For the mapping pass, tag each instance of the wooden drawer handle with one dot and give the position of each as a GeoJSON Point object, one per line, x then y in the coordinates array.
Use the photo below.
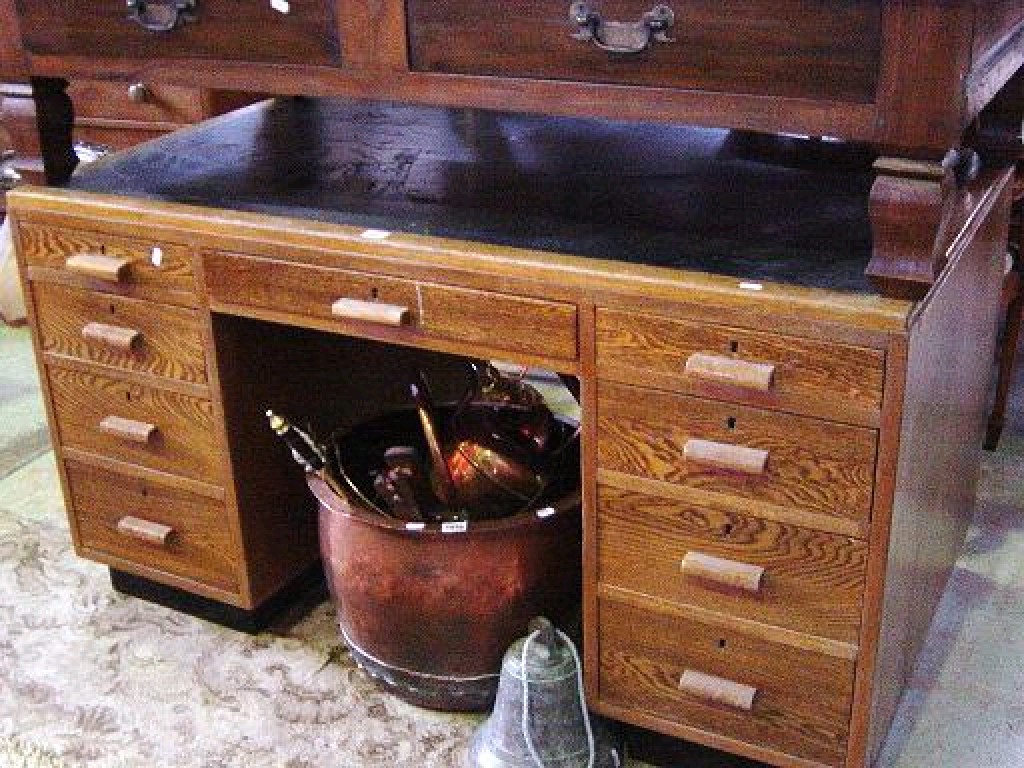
{"type": "Point", "coordinates": [145, 530]}
{"type": "Point", "coordinates": [371, 311]}
{"type": "Point", "coordinates": [728, 573]}
{"type": "Point", "coordinates": [718, 690]}
{"type": "Point", "coordinates": [734, 458]}
{"type": "Point", "coordinates": [729, 370]}
{"type": "Point", "coordinates": [112, 336]}
{"type": "Point", "coordinates": [99, 265]}
{"type": "Point", "coordinates": [127, 429]}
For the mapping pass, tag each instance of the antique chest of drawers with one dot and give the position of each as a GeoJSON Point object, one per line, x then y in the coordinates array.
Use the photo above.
{"type": "Point", "coordinates": [775, 460]}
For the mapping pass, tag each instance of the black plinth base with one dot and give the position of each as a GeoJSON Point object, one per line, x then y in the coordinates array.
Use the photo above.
{"type": "Point", "coordinates": [286, 606]}
{"type": "Point", "coordinates": [666, 752]}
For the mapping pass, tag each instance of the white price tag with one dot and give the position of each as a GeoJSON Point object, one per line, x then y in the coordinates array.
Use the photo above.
{"type": "Point", "coordinates": [751, 286]}
{"type": "Point", "coordinates": [415, 526]}
{"type": "Point", "coordinates": [545, 512]}
{"type": "Point", "coordinates": [456, 526]}
{"type": "Point", "coordinates": [375, 234]}
{"type": "Point", "coordinates": [156, 256]}
{"type": "Point", "coordinates": [281, 6]}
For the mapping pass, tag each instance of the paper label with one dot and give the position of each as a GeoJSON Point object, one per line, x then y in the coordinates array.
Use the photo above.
{"type": "Point", "coordinates": [456, 526]}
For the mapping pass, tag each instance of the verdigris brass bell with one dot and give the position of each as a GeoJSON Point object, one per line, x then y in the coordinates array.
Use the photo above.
{"type": "Point", "coordinates": [540, 718]}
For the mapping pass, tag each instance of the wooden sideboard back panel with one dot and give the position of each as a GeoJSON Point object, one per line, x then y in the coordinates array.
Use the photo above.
{"type": "Point", "coordinates": [803, 48]}
{"type": "Point", "coordinates": [223, 30]}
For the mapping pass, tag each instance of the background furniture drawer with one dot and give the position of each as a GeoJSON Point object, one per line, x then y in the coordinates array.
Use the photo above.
{"type": "Point", "coordinates": [812, 581]}
{"type": "Point", "coordinates": [479, 318]}
{"type": "Point", "coordinates": [180, 440]}
{"type": "Point", "coordinates": [730, 363]}
{"type": "Point", "coordinates": [198, 546]}
{"type": "Point", "coordinates": [801, 699]}
{"type": "Point", "coordinates": [220, 29]}
{"type": "Point", "coordinates": [810, 465]}
{"type": "Point", "coordinates": [158, 103]}
{"type": "Point", "coordinates": [118, 332]}
{"type": "Point", "coordinates": [152, 269]}
{"type": "Point", "coordinates": [715, 43]}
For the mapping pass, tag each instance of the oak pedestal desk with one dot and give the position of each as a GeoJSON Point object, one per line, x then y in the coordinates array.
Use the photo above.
{"type": "Point", "coordinates": [778, 463]}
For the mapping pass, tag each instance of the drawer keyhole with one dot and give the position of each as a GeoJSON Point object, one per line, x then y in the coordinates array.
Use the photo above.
{"type": "Point", "coordinates": [734, 346]}
{"type": "Point", "coordinates": [374, 293]}
{"type": "Point", "coordinates": [730, 423]}
{"type": "Point", "coordinates": [721, 643]}
{"type": "Point", "coordinates": [128, 396]}
{"type": "Point", "coordinates": [727, 529]}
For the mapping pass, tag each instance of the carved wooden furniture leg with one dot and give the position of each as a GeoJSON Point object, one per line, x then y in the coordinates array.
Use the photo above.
{"type": "Point", "coordinates": [910, 207]}
{"type": "Point", "coordinates": [55, 119]}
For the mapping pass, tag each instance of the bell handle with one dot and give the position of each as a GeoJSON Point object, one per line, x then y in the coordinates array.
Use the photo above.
{"type": "Point", "coordinates": [718, 690]}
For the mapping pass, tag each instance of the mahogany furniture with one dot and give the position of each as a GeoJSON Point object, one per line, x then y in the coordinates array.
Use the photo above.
{"type": "Point", "coordinates": [778, 463]}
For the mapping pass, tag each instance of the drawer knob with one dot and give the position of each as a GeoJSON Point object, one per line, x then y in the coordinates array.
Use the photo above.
{"type": "Point", "coordinates": [145, 530]}
{"type": "Point", "coordinates": [622, 36]}
{"type": "Point", "coordinates": [371, 311]}
{"type": "Point", "coordinates": [727, 573]}
{"type": "Point", "coordinates": [112, 336]}
{"type": "Point", "coordinates": [718, 690]}
{"type": "Point", "coordinates": [99, 265]}
{"type": "Point", "coordinates": [732, 458]}
{"type": "Point", "coordinates": [139, 93]}
{"type": "Point", "coordinates": [729, 370]}
{"type": "Point", "coordinates": [133, 431]}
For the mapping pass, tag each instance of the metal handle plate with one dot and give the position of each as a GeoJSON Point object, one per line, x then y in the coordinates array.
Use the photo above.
{"type": "Point", "coordinates": [622, 37]}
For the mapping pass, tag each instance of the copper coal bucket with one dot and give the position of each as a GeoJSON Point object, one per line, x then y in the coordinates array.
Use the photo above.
{"type": "Point", "coordinates": [429, 613]}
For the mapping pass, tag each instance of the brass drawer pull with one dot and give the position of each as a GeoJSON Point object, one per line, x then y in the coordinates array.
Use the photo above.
{"type": "Point", "coordinates": [733, 458]}
{"type": "Point", "coordinates": [145, 530]}
{"type": "Point", "coordinates": [133, 431]}
{"type": "Point", "coordinates": [718, 690]}
{"type": "Point", "coordinates": [99, 265]}
{"type": "Point", "coordinates": [622, 36]}
{"type": "Point", "coordinates": [729, 370]}
{"type": "Point", "coordinates": [112, 336]}
{"type": "Point", "coordinates": [161, 15]}
{"type": "Point", "coordinates": [371, 311]}
{"type": "Point", "coordinates": [727, 573]}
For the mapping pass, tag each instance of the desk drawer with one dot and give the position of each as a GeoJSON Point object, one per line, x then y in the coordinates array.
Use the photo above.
{"type": "Point", "coordinates": [801, 699]}
{"type": "Point", "coordinates": [121, 333]}
{"type": "Point", "coordinates": [198, 545]}
{"type": "Point", "coordinates": [145, 269]}
{"type": "Point", "coordinates": [404, 307]}
{"type": "Point", "coordinates": [218, 29]}
{"type": "Point", "coordinates": [810, 581]}
{"type": "Point", "coordinates": [764, 47]}
{"type": "Point", "coordinates": [737, 452]}
{"type": "Point", "coordinates": [740, 365]}
{"type": "Point", "coordinates": [152, 427]}
{"type": "Point", "coordinates": [105, 99]}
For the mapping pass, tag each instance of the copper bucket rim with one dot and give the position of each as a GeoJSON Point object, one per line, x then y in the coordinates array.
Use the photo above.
{"type": "Point", "coordinates": [567, 504]}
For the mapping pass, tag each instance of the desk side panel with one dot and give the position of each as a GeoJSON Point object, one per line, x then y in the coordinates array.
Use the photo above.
{"type": "Point", "coordinates": [950, 352]}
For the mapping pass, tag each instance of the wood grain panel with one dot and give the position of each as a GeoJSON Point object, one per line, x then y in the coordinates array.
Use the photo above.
{"type": "Point", "coordinates": [201, 546]}
{"type": "Point", "coordinates": [45, 250]}
{"type": "Point", "coordinates": [184, 443]}
{"type": "Point", "coordinates": [802, 704]}
{"type": "Point", "coordinates": [794, 43]}
{"type": "Point", "coordinates": [495, 320]}
{"type": "Point", "coordinates": [812, 465]}
{"type": "Point", "coordinates": [839, 381]}
{"type": "Point", "coordinates": [169, 345]}
{"type": "Point", "coordinates": [813, 582]}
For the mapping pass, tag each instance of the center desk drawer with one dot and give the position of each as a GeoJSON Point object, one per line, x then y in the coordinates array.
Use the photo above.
{"type": "Point", "coordinates": [728, 363]}
{"type": "Point", "coordinates": [121, 333]}
{"type": "Point", "coordinates": [479, 318]}
{"type": "Point", "coordinates": [148, 426]}
{"type": "Point", "coordinates": [145, 269]}
{"type": "Point", "coordinates": [774, 464]}
{"type": "Point", "coordinates": [764, 47]}
{"type": "Point", "coordinates": [719, 680]}
{"type": "Point", "coordinates": [712, 557]}
{"type": "Point", "coordinates": [152, 525]}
